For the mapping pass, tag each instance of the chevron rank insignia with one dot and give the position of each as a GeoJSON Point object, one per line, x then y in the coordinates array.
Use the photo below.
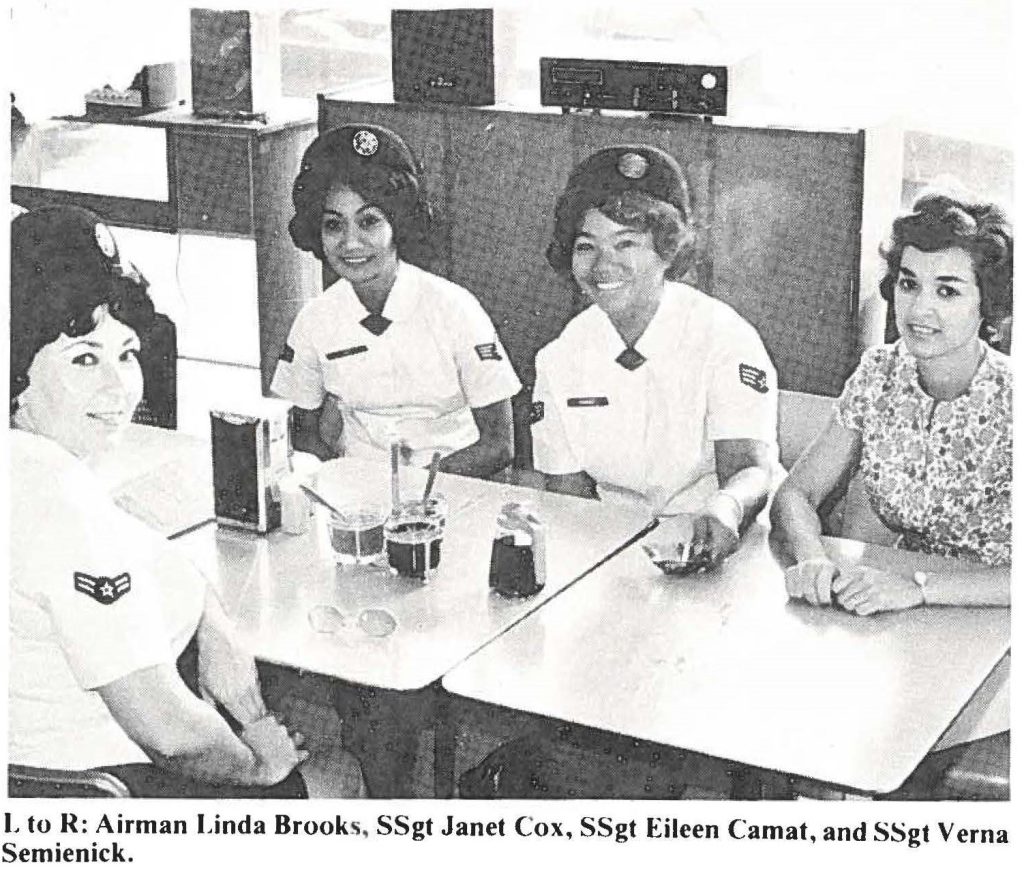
{"type": "Point", "coordinates": [754, 378]}
{"type": "Point", "coordinates": [488, 351]}
{"type": "Point", "coordinates": [106, 591]}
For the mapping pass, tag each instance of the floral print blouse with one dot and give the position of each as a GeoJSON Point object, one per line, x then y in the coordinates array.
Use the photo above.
{"type": "Point", "coordinates": [939, 472]}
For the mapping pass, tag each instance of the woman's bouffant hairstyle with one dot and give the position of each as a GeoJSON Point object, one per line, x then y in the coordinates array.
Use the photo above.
{"type": "Point", "coordinates": [64, 265]}
{"type": "Point", "coordinates": [939, 221]}
{"type": "Point", "coordinates": [388, 177]}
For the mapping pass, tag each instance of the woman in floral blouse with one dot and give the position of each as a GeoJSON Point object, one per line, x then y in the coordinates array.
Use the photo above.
{"type": "Point", "coordinates": [927, 421]}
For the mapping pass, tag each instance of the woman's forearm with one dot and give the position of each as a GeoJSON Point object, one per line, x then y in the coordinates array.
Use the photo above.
{"type": "Point", "coordinates": [479, 460]}
{"type": "Point", "coordinates": [210, 752]}
{"type": "Point", "coordinates": [749, 488]}
{"type": "Point", "coordinates": [180, 732]}
{"type": "Point", "coordinates": [968, 583]}
{"type": "Point", "coordinates": [796, 519]}
{"type": "Point", "coordinates": [493, 451]}
{"type": "Point", "coordinates": [574, 484]}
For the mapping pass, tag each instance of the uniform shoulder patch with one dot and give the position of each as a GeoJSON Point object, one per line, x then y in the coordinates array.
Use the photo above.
{"type": "Point", "coordinates": [104, 590]}
{"type": "Point", "coordinates": [754, 378]}
{"type": "Point", "coordinates": [536, 411]}
{"type": "Point", "coordinates": [287, 353]}
{"type": "Point", "coordinates": [488, 351]}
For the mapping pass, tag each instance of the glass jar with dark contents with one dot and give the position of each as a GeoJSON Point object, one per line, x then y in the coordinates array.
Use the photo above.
{"type": "Point", "coordinates": [517, 553]}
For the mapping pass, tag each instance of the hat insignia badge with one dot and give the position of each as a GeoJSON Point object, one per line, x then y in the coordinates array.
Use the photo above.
{"type": "Point", "coordinates": [365, 143]}
{"type": "Point", "coordinates": [632, 165]}
{"type": "Point", "coordinates": [105, 241]}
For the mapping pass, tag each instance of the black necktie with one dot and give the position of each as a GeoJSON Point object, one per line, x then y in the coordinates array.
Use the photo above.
{"type": "Point", "coordinates": [375, 323]}
{"type": "Point", "coordinates": [631, 359]}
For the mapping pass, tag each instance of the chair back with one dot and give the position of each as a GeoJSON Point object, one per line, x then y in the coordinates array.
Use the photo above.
{"type": "Point", "coordinates": [802, 418]}
{"type": "Point", "coordinates": [24, 781]}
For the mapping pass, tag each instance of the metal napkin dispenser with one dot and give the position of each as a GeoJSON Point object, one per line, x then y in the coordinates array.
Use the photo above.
{"type": "Point", "coordinates": [250, 448]}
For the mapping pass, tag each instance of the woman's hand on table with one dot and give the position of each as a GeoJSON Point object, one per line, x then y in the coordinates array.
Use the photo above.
{"type": "Point", "coordinates": [227, 674]}
{"type": "Point", "coordinates": [812, 579]}
{"type": "Point", "coordinates": [712, 538]}
{"type": "Point", "coordinates": [276, 752]}
{"type": "Point", "coordinates": [690, 542]}
{"type": "Point", "coordinates": [866, 591]}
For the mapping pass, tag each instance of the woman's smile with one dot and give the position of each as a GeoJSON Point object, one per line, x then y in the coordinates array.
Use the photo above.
{"type": "Point", "coordinates": [617, 266]}
{"type": "Point", "coordinates": [938, 304]}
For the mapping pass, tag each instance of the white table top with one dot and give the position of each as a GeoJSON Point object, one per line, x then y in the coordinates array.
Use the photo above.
{"type": "Point", "coordinates": [270, 583]}
{"type": "Point", "coordinates": [161, 476]}
{"type": "Point", "coordinates": [725, 664]}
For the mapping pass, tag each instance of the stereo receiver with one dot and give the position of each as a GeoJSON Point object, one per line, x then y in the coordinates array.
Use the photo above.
{"type": "Point", "coordinates": [692, 89]}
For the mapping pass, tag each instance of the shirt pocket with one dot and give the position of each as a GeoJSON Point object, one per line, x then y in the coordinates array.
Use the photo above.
{"type": "Point", "coordinates": [350, 368]}
{"type": "Point", "coordinates": [593, 424]}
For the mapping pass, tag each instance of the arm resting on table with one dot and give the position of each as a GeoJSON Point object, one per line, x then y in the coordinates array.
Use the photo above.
{"type": "Point", "coordinates": [957, 581]}
{"type": "Point", "coordinates": [493, 451]}
{"type": "Point", "coordinates": [573, 484]}
{"type": "Point", "coordinates": [794, 511]}
{"type": "Point", "coordinates": [181, 733]}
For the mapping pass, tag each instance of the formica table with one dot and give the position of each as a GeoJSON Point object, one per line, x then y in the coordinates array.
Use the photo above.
{"type": "Point", "coordinates": [163, 477]}
{"type": "Point", "coordinates": [271, 583]}
{"type": "Point", "coordinates": [725, 664]}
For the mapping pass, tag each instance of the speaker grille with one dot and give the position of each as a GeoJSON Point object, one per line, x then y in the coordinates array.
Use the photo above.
{"type": "Point", "coordinates": [221, 62]}
{"type": "Point", "coordinates": [443, 56]}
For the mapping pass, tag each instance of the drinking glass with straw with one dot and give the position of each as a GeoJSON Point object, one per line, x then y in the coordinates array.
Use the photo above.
{"type": "Point", "coordinates": [415, 528]}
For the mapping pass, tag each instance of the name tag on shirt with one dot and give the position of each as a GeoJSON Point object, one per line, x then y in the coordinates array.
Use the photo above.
{"type": "Point", "coordinates": [587, 401]}
{"type": "Point", "coordinates": [347, 352]}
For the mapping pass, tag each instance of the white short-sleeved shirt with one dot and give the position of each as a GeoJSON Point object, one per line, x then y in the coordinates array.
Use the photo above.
{"type": "Point", "coordinates": [416, 382]}
{"type": "Point", "coordinates": [94, 596]}
{"type": "Point", "coordinates": [648, 434]}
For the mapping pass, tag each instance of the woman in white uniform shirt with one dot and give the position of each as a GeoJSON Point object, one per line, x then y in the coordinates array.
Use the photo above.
{"type": "Point", "coordinates": [390, 353]}
{"type": "Point", "coordinates": [657, 393]}
{"type": "Point", "coordinates": [100, 606]}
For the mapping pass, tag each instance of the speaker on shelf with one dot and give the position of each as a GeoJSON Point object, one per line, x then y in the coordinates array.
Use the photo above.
{"type": "Point", "coordinates": [236, 62]}
{"type": "Point", "coordinates": [443, 56]}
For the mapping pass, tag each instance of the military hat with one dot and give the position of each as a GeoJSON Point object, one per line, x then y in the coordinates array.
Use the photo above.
{"type": "Point", "coordinates": [612, 171]}
{"type": "Point", "coordinates": [362, 146]}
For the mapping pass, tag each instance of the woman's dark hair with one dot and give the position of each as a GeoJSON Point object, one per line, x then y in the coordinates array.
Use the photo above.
{"type": "Point", "coordinates": [389, 178]}
{"type": "Point", "coordinates": [673, 238]}
{"type": "Point", "coordinates": [635, 185]}
{"type": "Point", "coordinates": [64, 265]}
{"type": "Point", "coordinates": [939, 221]}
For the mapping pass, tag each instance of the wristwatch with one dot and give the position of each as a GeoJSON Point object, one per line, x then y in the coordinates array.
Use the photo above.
{"type": "Point", "coordinates": [921, 579]}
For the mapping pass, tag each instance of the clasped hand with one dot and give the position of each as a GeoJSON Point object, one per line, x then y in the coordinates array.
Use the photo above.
{"type": "Point", "coordinates": [277, 752]}
{"type": "Point", "coordinates": [860, 590]}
